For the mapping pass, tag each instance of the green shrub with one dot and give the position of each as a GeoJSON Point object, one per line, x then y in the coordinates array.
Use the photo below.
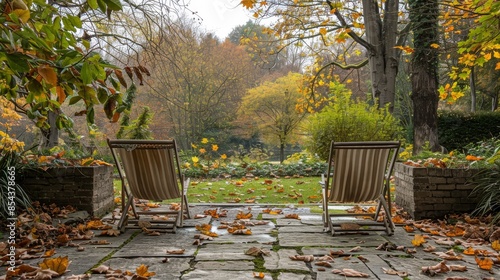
{"type": "Point", "coordinates": [10, 172]}
{"type": "Point", "coordinates": [456, 130]}
{"type": "Point", "coordinates": [345, 119]}
{"type": "Point", "coordinates": [488, 190]}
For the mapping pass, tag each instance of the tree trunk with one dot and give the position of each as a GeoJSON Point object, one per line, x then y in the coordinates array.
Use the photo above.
{"type": "Point", "coordinates": [424, 78]}
{"type": "Point", "coordinates": [472, 82]}
{"type": "Point", "coordinates": [282, 152]}
{"type": "Point", "coordinates": [50, 136]}
{"type": "Point", "coordinates": [381, 34]}
{"type": "Point", "coordinates": [494, 102]}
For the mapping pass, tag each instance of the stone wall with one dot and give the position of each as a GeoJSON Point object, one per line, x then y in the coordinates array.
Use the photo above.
{"type": "Point", "coordinates": [86, 188]}
{"type": "Point", "coordinates": [433, 192]}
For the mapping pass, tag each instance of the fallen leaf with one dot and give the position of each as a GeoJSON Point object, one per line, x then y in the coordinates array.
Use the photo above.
{"type": "Point", "coordinates": [110, 232]}
{"type": "Point", "coordinates": [394, 272]}
{"type": "Point", "coordinates": [254, 251]}
{"type": "Point", "coordinates": [305, 258]}
{"type": "Point", "coordinates": [176, 251]}
{"type": "Point", "coordinates": [485, 263]}
{"type": "Point", "coordinates": [242, 215]}
{"type": "Point", "coordinates": [259, 275]}
{"type": "Point", "coordinates": [356, 249]}
{"type": "Point", "coordinates": [496, 245]}
{"type": "Point", "coordinates": [59, 264]}
{"type": "Point", "coordinates": [418, 240]}
{"type": "Point", "coordinates": [102, 269]}
{"type": "Point", "coordinates": [292, 216]}
{"type": "Point", "coordinates": [350, 273]}
{"type": "Point", "coordinates": [142, 270]}
{"type": "Point", "coordinates": [323, 263]}
{"type": "Point", "coordinates": [45, 274]}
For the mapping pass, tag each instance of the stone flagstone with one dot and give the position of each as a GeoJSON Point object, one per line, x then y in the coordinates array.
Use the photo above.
{"type": "Point", "coordinates": [213, 252]}
{"type": "Point", "coordinates": [281, 261]}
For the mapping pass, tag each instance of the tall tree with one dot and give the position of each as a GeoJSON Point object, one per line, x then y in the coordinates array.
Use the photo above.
{"type": "Point", "coordinates": [424, 79]}
{"type": "Point", "coordinates": [198, 82]}
{"type": "Point", "coordinates": [272, 106]}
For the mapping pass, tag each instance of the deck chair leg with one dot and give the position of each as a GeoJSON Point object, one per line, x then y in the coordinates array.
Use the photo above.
{"type": "Point", "coordinates": [124, 217]}
{"type": "Point", "coordinates": [389, 224]}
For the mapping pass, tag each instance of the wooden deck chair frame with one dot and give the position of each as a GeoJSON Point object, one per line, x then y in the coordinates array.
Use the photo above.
{"type": "Point", "coordinates": [150, 170]}
{"type": "Point", "coordinates": [359, 172]}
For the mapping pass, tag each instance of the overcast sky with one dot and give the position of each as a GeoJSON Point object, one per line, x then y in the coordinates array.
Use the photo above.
{"type": "Point", "coordinates": [220, 16]}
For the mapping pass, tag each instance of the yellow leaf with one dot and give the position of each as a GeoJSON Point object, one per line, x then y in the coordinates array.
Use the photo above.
{"type": "Point", "coordinates": [49, 253]}
{"type": "Point", "coordinates": [59, 264]}
{"type": "Point", "coordinates": [48, 74]}
{"type": "Point", "coordinates": [496, 245]}
{"type": "Point", "coordinates": [323, 31]}
{"type": "Point", "coordinates": [23, 15]}
{"type": "Point", "coordinates": [497, 66]}
{"type": "Point", "coordinates": [142, 270]}
{"type": "Point", "coordinates": [418, 240]}
{"type": "Point", "coordinates": [434, 46]}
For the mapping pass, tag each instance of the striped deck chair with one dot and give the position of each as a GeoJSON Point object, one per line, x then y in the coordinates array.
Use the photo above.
{"type": "Point", "coordinates": [150, 170]}
{"type": "Point", "coordinates": [359, 172]}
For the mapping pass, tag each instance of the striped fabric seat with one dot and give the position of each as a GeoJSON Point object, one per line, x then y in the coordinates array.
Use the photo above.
{"type": "Point", "coordinates": [359, 172]}
{"type": "Point", "coordinates": [150, 170]}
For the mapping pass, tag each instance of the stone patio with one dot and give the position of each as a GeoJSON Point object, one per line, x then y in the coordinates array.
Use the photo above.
{"type": "Point", "coordinates": [224, 257]}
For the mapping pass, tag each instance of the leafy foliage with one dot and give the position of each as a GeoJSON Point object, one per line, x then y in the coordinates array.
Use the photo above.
{"type": "Point", "coordinates": [345, 119]}
{"type": "Point", "coordinates": [40, 73]}
{"type": "Point", "coordinates": [8, 161]}
{"type": "Point", "coordinates": [488, 189]}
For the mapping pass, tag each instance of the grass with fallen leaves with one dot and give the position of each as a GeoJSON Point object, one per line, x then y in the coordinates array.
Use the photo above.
{"type": "Point", "coordinates": [304, 190]}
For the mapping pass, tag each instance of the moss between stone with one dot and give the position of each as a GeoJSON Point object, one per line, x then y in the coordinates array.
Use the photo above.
{"type": "Point", "coordinates": [108, 256]}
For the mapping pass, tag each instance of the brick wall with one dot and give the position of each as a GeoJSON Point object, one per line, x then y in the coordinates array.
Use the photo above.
{"type": "Point", "coordinates": [433, 192]}
{"type": "Point", "coordinates": [86, 188]}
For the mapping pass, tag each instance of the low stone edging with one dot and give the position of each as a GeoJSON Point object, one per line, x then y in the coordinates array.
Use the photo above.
{"type": "Point", "coordinates": [434, 192]}
{"type": "Point", "coordinates": [88, 188]}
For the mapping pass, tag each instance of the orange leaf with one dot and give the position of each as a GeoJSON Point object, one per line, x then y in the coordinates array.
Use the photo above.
{"type": "Point", "coordinates": [248, 3]}
{"type": "Point", "coordinates": [48, 74]}
{"type": "Point", "coordinates": [469, 251]}
{"type": "Point", "coordinates": [59, 264]}
{"type": "Point", "coordinates": [418, 240]}
{"type": "Point", "coordinates": [409, 228]}
{"type": "Point", "coordinates": [485, 263]}
{"type": "Point", "coordinates": [242, 215]}
{"type": "Point", "coordinates": [292, 216]}
{"type": "Point", "coordinates": [61, 96]}
{"type": "Point", "coordinates": [142, 270]}
{"type": "Point", "coordinates": [259, 275]}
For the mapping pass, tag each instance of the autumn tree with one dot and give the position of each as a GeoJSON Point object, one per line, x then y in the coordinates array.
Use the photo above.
{"type": "Point", "coordinates": [323, 26]}
{"type": "Point", "coordinates": [478, 50]}
{"type": "Point", "coordinates": [272, 106]}
{"type": "Point", "coordinates": [55, 54]}
{"type": "Point", "coordinates": [197, 82]}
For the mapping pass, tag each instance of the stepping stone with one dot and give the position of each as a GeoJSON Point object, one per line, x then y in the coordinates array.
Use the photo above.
{"type": "Point", "coordinates": [226, 265]}
{"type": "Point", "coordinates": [281, 260]}
{"type": "Point", "coordinates": [302, 239]}
{"type": "Point", "coordinates": [212, 252]}
{"type": "Point", "coordinates": [156, 246]}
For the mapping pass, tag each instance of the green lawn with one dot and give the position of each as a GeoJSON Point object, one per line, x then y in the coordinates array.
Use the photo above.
{"type": "Point", "coordinates": [303, 190]}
